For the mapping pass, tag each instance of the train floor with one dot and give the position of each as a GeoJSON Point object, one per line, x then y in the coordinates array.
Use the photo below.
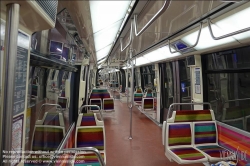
{"type": "Point", "coordinates": [145, 149]}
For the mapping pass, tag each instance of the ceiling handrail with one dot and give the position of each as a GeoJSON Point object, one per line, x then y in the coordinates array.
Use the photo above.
{"type": "Point", "coordinates": [197, 41]}
{"type": "Point", "coordinates": [130, 38]}
{"type": "Point", "coordinates": [158, 14]}
{"type": "Point", "coordinates": [227, 35]}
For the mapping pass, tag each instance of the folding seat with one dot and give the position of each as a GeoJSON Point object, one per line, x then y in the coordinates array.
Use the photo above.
{"type": "Point", "coordinates": [206, 140]}
{"type": "Point", "coordinates": [178, 144]}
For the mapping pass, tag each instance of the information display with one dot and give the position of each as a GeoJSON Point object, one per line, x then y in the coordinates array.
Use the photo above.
{"type": "Point", "coordinates": [21, 73]}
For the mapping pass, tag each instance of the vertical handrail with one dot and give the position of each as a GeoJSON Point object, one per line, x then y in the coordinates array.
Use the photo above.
{"type": "Point", "coordinates": [183, 49]}
{"type": "Point", "coordinates": [7, 98]}
{"type": "Point", "coordinates": [48, 104]}
{"type": "Point", "coordinates": [227, 35]}
{"type": "Point", "coordinates": [86, 106]}
{"type": "Point", "coordinates": [158, 14]}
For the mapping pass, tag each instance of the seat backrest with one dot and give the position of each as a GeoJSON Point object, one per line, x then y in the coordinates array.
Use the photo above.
{"type": "Point", "coordinates": [205, 132]}
{"type": "Point", "coordinates": [87, 119]}
{"type": "Point", "coordinates": [178, 134]}
{"type": "Point", "coordinates": [95, 102]}
{"type": "Point", "coordinates": [108, 104]}
{"type": "Point", "coordinates": [47, 137]}
{"type": "Point", "coordinates": [138, 90]}
{"type": "Point", "coordinates": [105, 95]}
{"type": "Point", "coordinates": [53, 118]}
{"type": "Point", "coordinates": [138, 97]}
{"type": "Point", "coordinates": [192, 115]}
{"type": "Point", "coordinates": [90, 136]}
{"type": "Point", "coordinates": [148, 103]}
{"type": "Point", "coordinates": [63, 102]}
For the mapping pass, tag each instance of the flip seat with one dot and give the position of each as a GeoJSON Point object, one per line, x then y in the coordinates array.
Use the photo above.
{"type": "Point", "coordinates": [51, 118]}
{"type": "Point", "coordinates": [88, 119]}
{"type": "Point", "coordinates": [108, 102]}
{"type": "Point", "coordinates": [147, 104]}
{"type": "Point", "coordinates": [206, 139]}
{"type": "Point", "coordinates": [89, 159]}
{"type": "Point", "coordinates": [47, 137]}
{"type": "Point", "coordinates": [179, 144]}
{"type": "Point", "coordinates": [138, 99]}
{"type": "Point", "coordinates": [91, 136]}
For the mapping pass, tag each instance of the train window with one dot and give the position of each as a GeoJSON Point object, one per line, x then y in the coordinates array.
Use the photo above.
{"type": "Point", "coordinates": [228, 87]}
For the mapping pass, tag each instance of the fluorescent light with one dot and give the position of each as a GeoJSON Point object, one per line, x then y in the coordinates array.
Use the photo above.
{"type": "Point", "coordinates": [160, 54]}
{"type": "Point", "coordinates": [103, 52]}
{"type": "Point", "coordinates": [107, 36]}
{"type": "Point", "coordinates": [141, 60]}
{"type": "Point", "coordinates": [235, 22]}
{"type": "Point", "coordinates": [106, 18]}
{"type": "Point", "coordinates": [206, 41]}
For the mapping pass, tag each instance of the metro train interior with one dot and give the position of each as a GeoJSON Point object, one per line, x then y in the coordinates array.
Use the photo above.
{"type": "Point", "coordinates": [125, 83]}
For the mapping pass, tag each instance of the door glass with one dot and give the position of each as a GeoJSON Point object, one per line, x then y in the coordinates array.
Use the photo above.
{"type": "Point", "coordinates": [185, 89]}
{"type": "Point", "coordinates": [229, 93]}
{"type": "Point", "coordinates": [168, 88]}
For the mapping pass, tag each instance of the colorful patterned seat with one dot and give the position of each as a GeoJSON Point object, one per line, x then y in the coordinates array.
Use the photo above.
{"type": "Point", "coordinates": [138, 98]}
{"type": "Point", "coordinates": [108, 104]}
{"type": "Point", "coordinates": [179, 144]}
{"type": "Point", "coordinates": [192, 116]}
{"type": "Point", "coordinates": [47, 138]}
{"type": "Point", "coordinates": [91, 136]}
{"type": "Point", "coordinates": [52, 119]}
{"type": "Point", "coordinates": [87, 159]}
{"type": "Point", "coordinates": [88, 119]}
{"type": "Point", "coordinates": [205, 139]}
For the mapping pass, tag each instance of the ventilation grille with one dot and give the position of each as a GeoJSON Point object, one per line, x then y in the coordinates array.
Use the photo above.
{"type": "Point", "coordinates": [49, 7]}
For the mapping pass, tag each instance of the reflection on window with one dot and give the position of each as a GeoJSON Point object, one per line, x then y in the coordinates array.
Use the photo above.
{"type": "Point", "coordinates": [229, 93]}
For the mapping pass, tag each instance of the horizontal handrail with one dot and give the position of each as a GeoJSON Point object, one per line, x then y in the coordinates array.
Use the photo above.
{"type": "Point", "coordinates": [130, 38]}
{"type": "Point", "coordinates": [86, 106]}
{"type": "Point", "coordinates": [158, 14]}
{"type": "Point", "coordinates": [88, 149]}
{"type": "Point", "coordinates": [48, 104]}
{"type": "Point", "coordinates": [173, 104]}
{"type": "Point", "coordinates": [183, 49]}
{"type": "Point", "coordinates": [227, 35]}
{"type": "Point", "coordinates": [237, 100]}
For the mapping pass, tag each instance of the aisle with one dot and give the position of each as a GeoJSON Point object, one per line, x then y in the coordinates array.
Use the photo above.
{"type": "Point", "coordinates": [145, 149]}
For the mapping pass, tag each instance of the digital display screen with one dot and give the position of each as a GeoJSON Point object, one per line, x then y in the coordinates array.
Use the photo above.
{"type": "Point", "coordinates": [180, 45]}
{"type": "Point", "coordinates": [56, 47]}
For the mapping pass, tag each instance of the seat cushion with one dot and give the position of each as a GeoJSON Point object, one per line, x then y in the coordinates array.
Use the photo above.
{"type": "Point", "coordinates": [214, 151]}
{"type": "Point", "coordinates": [47, 138]}
{"type": "Point", "coordinates": [108, 104]}
{"type": "Point", "coordinates": [188, 153]}
{"type": "Point", "coordinates": [87, 159]}
{"type": "Point", "coordinates": [90, 137]}
{"type": "Point", "coordinates": [88, 119]}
